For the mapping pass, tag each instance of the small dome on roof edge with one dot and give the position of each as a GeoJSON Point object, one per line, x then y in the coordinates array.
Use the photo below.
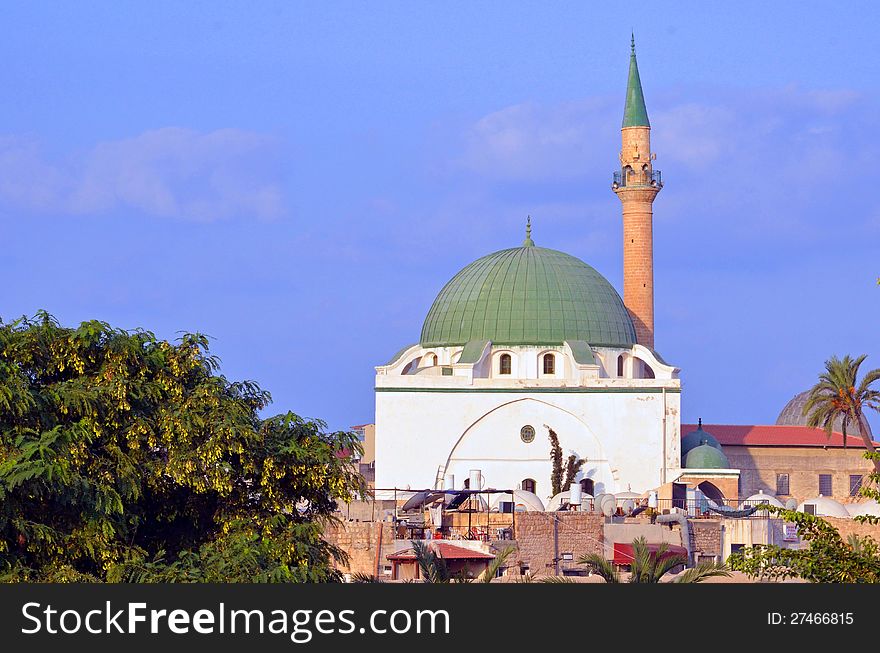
{"type": "Point", "coordinates": [759, 497]}
{"type": "Point", "coordinates": [824, 507]}
{"type": "Point", "coordinates": [705, 456]}
{"type": "Point", "coordinates": [695, 438]}
{"type": "Point", "coordinates": [793, 415]}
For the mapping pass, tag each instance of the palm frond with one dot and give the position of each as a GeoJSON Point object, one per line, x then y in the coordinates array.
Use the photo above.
{"type": "Point", "coordinates": [701, 572]}
{"type": "Point", "coordinates": [600, 566]}
{"type": "Point", "coordinates": [492, 570]}
{"type": "Point", "coordinates": [360, 577]}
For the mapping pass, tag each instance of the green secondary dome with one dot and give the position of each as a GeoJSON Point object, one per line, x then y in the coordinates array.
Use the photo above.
{"type": "Point", "coordinates": [705, 456]}
{"type": "Point", "coordinates": [528, 296]}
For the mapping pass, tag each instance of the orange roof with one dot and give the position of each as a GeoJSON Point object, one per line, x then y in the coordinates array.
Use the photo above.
{"type": "Point", "coordinates": [445, 552]}
{"type": "Point", "coordinates": [774, 436]}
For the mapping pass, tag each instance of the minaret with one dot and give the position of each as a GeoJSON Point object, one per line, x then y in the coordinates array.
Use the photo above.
{"type": "Point", "coordinates": [637, 184]}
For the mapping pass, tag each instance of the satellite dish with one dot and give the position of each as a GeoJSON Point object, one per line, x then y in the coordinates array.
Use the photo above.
{"type": "Point", "coordinates": [791, 504]}
{"type": "Point", "coordinates": [608, 506]}
{"type": "Point", "coordinates": [628, 506]}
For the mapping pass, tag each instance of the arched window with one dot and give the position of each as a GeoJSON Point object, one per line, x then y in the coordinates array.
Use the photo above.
{"type": "Point", "coordinates": [620, 366]}
{"type": "Point", "coordinates": [649, 372]}
{"type": "Point", "coordinates": [588, 487]}
{"type": "Point", "coordinates": [549, 364]}
{"type": "Point", "coordinates": [433, 359]}
{"type": "Point", "coordinates": [467, 484]}
{"type": "Point", "coordinates": [504, 364]}
{"type": "Point", "coordinates": [529, 485]}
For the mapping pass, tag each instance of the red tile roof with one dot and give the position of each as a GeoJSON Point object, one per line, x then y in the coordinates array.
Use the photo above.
{"type": "Point", "coordinates": [444, 551]}
{"type": "Point", "coordinates": [774, 436]}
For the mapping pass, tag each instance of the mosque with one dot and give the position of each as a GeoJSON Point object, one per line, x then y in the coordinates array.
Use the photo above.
{"type": "Point", "coordinates": [527, 340]}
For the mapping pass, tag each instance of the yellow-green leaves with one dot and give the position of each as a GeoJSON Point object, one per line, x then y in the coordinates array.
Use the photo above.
{"type": "Point", "coordinates": [127, 457]}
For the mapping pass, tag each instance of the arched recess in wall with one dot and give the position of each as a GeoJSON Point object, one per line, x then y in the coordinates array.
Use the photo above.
{"type": "Point", "coordinates": [547, 363]}
{"type": "Point", "coordinates": [620, 366]}
{"type": "Point", "coordinates": [712, 492]}
{"type": "Point", "coordinates": [588, 486]}
{"type": "Point", "coordinates": [642, 370]}
{"type": "Point", "coordinates": [503, 363]}
{"type": "Point", "coordinates": [592, 446]}
{"type": "Point", "coordinates": [412, 366]}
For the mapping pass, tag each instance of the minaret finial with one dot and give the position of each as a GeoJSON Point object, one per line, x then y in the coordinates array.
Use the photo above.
{"type": "Point", "coordinates": [699, 422]}
{"type": "Point", "coordinates": [528, 242]}
{"type": "Point", "coordinates": [632, 43]}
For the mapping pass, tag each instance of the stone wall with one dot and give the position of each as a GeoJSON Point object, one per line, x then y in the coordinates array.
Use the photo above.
{"type": "Point", "coordinates": [705, 538]}
{"type": "Point", "coordinates": [759, 466]}
{"type": "Point", "coordinates": [578, 533]}
{"type": "Point", "coordinates": [847, 527]}
{"type": "Point", "coordinates": [359, 540]}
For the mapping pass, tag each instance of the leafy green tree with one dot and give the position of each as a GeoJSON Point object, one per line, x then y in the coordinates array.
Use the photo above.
{"type": "Point", "coordinates": [826, 559]}
{"type": "Point", "coordinates": [650, 566]}
{"type": "Point", "coordinates": [839, 394]}
{"type": "Point", "coordinates": [128, 458]}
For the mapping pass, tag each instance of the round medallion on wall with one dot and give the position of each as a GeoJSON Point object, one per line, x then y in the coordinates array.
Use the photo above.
{"type": "Point", "coordinates": [527, 433]}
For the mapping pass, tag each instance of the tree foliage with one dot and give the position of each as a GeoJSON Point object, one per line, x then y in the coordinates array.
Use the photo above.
{"type": "Point", "coordinates": [828, 558]}
{"type": "Point", "coordinates": [556, 459]}
{"type": "Point", "coordinates": [564, 473]}
{"type": "Point", "coordinates": [572, 467]}
{"type": "Point", "coordinates": [839, 394]}
{"type": "Point", "coordinates": [128, 458]}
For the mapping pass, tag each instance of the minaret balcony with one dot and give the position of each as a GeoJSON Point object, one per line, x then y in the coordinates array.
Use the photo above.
{"type": "Point", "coordinates": [637, 179]}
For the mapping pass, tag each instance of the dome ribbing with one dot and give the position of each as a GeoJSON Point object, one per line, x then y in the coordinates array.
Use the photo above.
{"type": "Point", "coordinates": [528, 296]}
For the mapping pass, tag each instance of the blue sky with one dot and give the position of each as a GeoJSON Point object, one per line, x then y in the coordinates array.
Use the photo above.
{"type": "Point", "coordinates": [298, 180]}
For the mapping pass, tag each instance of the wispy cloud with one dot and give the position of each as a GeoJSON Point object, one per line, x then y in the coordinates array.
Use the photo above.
{"type": "Point", "coordinates": [533, 142]}
{"type": "Point", "coordinates": [170, 172]}
{"type": "Point", "coordinates": [767, 163]}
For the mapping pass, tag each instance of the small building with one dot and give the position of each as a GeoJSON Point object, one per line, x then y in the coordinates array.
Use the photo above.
{"type": "Point", "coordinates": [790, 461]}
{"type": "Point", "coordinates": [367, 462]}
{"type": "Point", "coordinates": [459, 560]}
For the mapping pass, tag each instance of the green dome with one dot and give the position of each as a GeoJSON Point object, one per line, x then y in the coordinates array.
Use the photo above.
{"type": "Point", "coordinates": [528, 296]}
{"type": "Point", "coordinates": [706, 456]}
{"type": "Point", "coordinates": [695, 438]}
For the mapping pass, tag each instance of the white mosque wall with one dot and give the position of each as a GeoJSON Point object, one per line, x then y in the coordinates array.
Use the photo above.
{"type": "Point", "coordinates": [627, 429]}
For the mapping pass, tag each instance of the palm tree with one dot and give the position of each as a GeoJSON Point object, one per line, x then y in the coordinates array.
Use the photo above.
{"type": "Point", "coordinates": [650, 566]}
{"type": "Point", "coordinates": [434, 570]}
{"type": "Point", "coordinates": [838, 395]}
{"type": "Point", "coordinates": [432, 567]}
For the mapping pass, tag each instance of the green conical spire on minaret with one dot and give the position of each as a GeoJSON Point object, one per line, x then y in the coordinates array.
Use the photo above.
{"type": "Point", "coordinates": [634, 114]}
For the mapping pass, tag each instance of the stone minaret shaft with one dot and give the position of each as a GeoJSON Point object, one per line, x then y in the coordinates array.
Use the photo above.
{"type": "Point", "coordinates": [637, 184]}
